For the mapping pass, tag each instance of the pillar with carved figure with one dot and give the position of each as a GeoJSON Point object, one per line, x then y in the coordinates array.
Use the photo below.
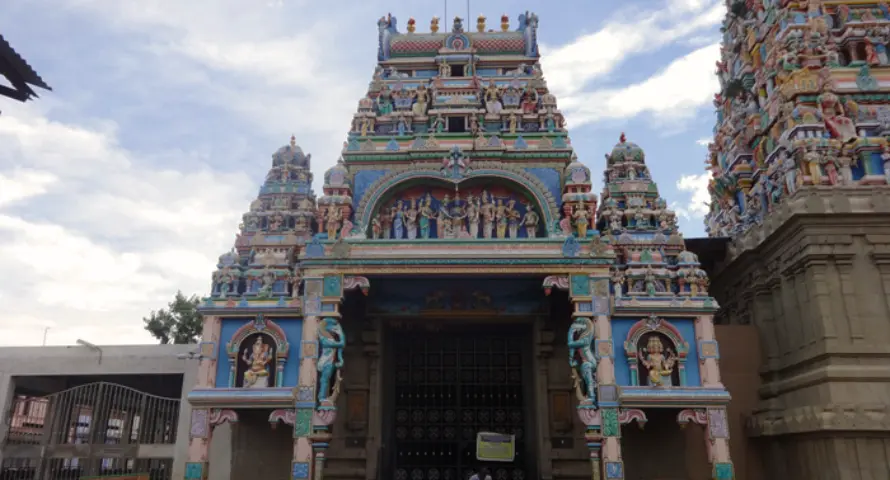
{"type": "Point", "coordinates": [304, 405]}
{"type": "Point", "coordinates": [590, 355]}
{"type": "Point", "coordinates": [201, 425]}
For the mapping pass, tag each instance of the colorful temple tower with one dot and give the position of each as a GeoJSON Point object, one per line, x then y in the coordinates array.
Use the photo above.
{"type": "Point", "coordinates": [456, 299]}
{"type": "Point", "coordinates": [801, 165]}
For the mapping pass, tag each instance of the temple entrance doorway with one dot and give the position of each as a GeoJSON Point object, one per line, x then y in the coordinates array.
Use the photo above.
{"type": "Point", "coordinates": [448, 384]}
{"type": "Point", "coordinates": [663, 450]}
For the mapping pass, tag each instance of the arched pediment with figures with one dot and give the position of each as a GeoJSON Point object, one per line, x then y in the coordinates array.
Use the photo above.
{"type": "Point", "coordinates": [487, 182]}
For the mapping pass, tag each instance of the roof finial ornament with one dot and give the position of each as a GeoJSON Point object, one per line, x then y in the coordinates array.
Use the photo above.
{"type": "Point", "coordinates": [622, 139]}
{"type": "Point", "coordinates": [293, 141]}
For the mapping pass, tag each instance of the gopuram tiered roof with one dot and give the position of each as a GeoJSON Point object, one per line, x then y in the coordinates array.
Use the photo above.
{"type": "Point", "coordinates": [803, 105]}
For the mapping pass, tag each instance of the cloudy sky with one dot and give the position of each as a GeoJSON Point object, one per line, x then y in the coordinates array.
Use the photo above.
{"type": "Point", "coordinates": [127, 181]}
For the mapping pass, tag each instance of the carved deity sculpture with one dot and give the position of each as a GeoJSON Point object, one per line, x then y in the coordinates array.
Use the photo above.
{"type": "Point", "coordinates": [421, 97]}
{"type": "Point", "coordinates": [530, 220]}
{"type": "Point", "coordinates": [845, 163]}
{"type": "Point", "coordinates": [258, 357]}
{"type": "Point", "coordinates": [386, 223]}
{"type": "Point", "coordinates": [492, 98]}
{"type": "Point", "coordinates": [384, 102]}
{"type": "Point", "coordinates": [650, 281]}
{"type": "Point", "coordinates": [398, 220]}
{"type": "Point", "coordinates": [331, 341]}
{"type": "Point", "coordinates": [333, 222]}
{"type": "Point", "coordinates": [512, 218]}
{"type": "Point", "coordinates": [513, 123]}
{"type": "Point", "coordinates": [411, 219]}
{"type": "Point", "coordinates": [581, 358]}
{"type": "Point", "coordinates": [488, 214]}
{"type": "Point", "coordinates": [659, 362]}
{"type": "Point", "coordinates": [581, 221]}
{"type": "Point", "coordinates": [618, 280]}
{"type": "Point", "coordinates": [473, 216]}
{"type": "Point", "coordinates": [833, 116]}
{"type": "Point", "coordinates": [376, 227]}
{"type": "Point", "coordinates": [226, 278]}
{"type": "Point", "coordinates": [442, 223]}
{"type": "Point", "coordinates": [426, 214]}
{"type": "Point", "coordinates": [813, 159]}
{"type": "Point", "coordinates": [500, 215]}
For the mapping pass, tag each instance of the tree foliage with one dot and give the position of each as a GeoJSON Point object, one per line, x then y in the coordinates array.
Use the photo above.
{"type": "Point", "coordinates": [180, 322]}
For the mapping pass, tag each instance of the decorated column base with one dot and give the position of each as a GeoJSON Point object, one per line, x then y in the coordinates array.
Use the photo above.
{"type": "Point", "coordinates": [196, 470]}
{"type": "Point", "coordinates": [724, 471]}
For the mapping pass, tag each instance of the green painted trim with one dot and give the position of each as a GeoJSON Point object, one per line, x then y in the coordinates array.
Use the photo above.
{"type": "Point", "coordinates": [451, 241]}
{"type": "Point", "coordinates": [415, 155]}
{"type": "Point", "coordinates": [458, 261]}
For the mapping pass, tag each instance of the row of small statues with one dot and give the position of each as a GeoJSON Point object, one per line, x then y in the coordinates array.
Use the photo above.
{"type": "Point", "coordinates": [417, 218]}
{"type": "Point", "coordinates": [650, 284]}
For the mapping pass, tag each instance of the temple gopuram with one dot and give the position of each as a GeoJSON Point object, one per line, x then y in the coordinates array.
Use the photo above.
{"type": "Point", "coordinates": [459, 299]}
{"type": "Point", "coordinates": [800, 215]}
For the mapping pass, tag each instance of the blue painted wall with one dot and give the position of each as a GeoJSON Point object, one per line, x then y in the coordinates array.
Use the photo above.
{"type": "Point", "coordinates": [620, 328]}
{"type": "Point", "coordinates": [293, 328]}
{"type": "Point", "coordinates": [550, 178]}
{"type": "Point", "coordinates": [363, 180]}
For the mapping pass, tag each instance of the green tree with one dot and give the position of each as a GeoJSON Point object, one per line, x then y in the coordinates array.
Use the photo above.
{"type": "Point", "coordinates": [180, 322]}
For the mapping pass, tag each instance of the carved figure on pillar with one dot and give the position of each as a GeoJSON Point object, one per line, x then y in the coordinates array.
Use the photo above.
{"type": "Point", "coordinates": [582, 360]}
{"type": "Point", "coordinates": [257, 373]}
{"type": "Point", "coordinates": [331, 341]}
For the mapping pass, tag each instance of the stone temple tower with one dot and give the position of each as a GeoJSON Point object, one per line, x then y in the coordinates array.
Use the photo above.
{"type": "Point", "coordinates": [800, 195]}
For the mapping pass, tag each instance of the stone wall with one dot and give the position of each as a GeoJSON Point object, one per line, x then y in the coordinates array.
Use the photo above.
{"type": "Point", "coordinates": [814, 280]}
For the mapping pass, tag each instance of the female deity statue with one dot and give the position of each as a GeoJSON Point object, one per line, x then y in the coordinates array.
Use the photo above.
{"type": "Point", "coordinates": [580, 216]}
{"type": "Point", "coordinates": [333, 221]}
{"type": "Point", "coordinates": [458, 215]}
{"type": "Point", "coordinates": [830, 165]}
{"type": "Point", "coordinates": [492, 98]}
{"type": "Point", "coordinates": [411, 219]}
{"type": "Point", "coordinates": [421, 97]}
{"type": "Point", "coordinates": [398, 220]}
{"type": "Point", "coordinates": [437, 124]}
{"type": "Point", "coordinates": [500, 216]}
{"type": "Point", "coordinates": [813, 160]}
{"type": "Point", "coordinates": [650, 281]}
{"type": "Point", "coordinates": [442, 223]}
{"type": "Point", "coordinates": [871, 53]}
{"type": "Point", "coordinates": [444, 69]}
{"type": "Point", "coordinates": [226, 278]}
{"type": "Point", "coordinates": [845, 161]}
{"type": "Point", "coordinates": [581, 359]}
{"type": "Point", "coordinates": [615, 221]}
{"type": "Point", "coordinates": [513, 123]}
{"type": "Point", "coordinates": [384, 102]}
{"type": "Point", "coordinates": [512, 219]}
{"type": "Point", "coordinates": [658, 361]}
{"type": "Point", "coordinates": [473, 216]}
{"type": "Point", "coordinates": [256, 375]}
{"type": "Point", "coordinates": [530, 220]}
{"type": "Point", "coordinates": [618, 280]}
{"type": "Point", "coordinates": [367, 126]}
{"type": "Point", "coordinates": [331, 341]}
{"type": "Point", "coordinates": [426, 213]}
{"type": "Point", "coordinates": [790, 171]}
{"type": "Point", "coordinates": [529, 100]}
{"type": "Point", "coordinates": [832, 112]}
{"type": "Point", "coordinates": [488, 216]}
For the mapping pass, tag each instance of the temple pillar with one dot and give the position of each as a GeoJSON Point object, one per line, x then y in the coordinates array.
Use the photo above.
{"type": "Point", "coordinates": [590, 343]}
{"type": "Point", "coordinates": [708, 352]}
{"type": "Point", "coordinates": [197, 466]}
{"type": "Point", "coordinates": [304, 405]}
{"type": "Point", "coordinates": [716, 426]}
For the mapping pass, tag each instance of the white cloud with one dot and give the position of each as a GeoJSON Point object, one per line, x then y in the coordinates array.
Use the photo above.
{"type": "Point", "coordinates": [673, 93]}
{"type": "Point", "coordinates": [704, 141]}
{"type": "Point", "coordinates": [698, 199]}
{"type": "Point", "coordinates": [118, 237]}
{"type": "Point", "coordinates": [569, 68]}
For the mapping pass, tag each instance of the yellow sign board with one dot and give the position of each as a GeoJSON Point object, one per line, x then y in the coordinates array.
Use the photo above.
{"type": "Point", "coordinates": [495, 447]}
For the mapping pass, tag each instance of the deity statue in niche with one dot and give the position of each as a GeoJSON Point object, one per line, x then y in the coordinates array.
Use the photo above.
{"type": "Point", "coordinates": [530, 220]}
{"type": "Point", "coordinates": [411, 219]}
{"type": "Point", "coordinates": [331, 341]}
{"type": "Point", "coordinates": [398, 220]}
{"type": "Point", "coordinates": [488, 215]}
{"type": "Point", "coordinates": [658, 362]}
{"type": "Point", "coordinates": [442, 224]}
{"type": "Point", "coordinates": [334, 218]}
{"type": "Point", "coordinates": [257, 359]}
{"type": "Point", "coordinates": [421, 97]}
{"type": "Point", "coordinates": [426, 215]}
{"type": "Point", "coordinates": [513, 218]}
{"type": "Point", "coordinates": [500, 214]}
{"type": "Point", "coordinates": [473, 216]}
{"type": "Point", "coordinates": [376, 227]}
{"type": "Point", "coordinates": [492, 100]}
{"type": "Point", "coordinates": [581, 220]}
{"type": "Point", "coordinates": [384, 102]}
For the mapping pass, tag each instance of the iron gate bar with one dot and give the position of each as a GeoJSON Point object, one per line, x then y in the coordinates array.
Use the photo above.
{"type": "Point", "coordinates": [447, 388]}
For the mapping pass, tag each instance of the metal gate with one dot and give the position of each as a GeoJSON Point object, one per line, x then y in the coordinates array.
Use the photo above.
{"type": "Point", "coordinates": [94, 429]}
{"type": "Point", "coordinates": [449, 387]}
